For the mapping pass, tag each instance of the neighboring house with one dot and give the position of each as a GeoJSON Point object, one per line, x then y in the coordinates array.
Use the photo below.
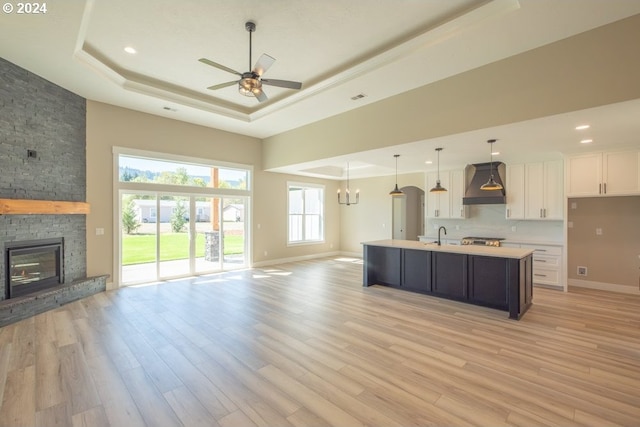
{"type": "Point", "coordinates": [147, 210]}
{"type": "Point", "coordinates": [233, 212]}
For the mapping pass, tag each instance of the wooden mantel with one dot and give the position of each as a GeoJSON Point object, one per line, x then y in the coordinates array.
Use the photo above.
{"type": "Point", "coordinates": [34, 207]}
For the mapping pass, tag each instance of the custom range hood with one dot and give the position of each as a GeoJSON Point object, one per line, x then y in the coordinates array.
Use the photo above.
{"type": "Point", "coordinates": [477, 175]}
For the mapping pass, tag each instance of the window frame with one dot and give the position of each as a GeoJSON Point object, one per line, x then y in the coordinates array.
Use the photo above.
{"type": "Point", "coordinates": [303, 186]}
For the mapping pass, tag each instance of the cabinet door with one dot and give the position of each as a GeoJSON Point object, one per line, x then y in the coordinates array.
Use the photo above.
{"type": "Point", "coordinates": [584, 175]}
{"type": "Point", "coordinates": [515, 192]}
{"type": "Point", "coordinates": [488, 280]}
{"type": "Point", "coordinates": [416, 268]}
{"type": "Point", "coordinates": [621, 175]}
{"type": "Point", "coordinates": [456, 190]}
{"type": "Point", "coordinates": [553, 190]}
{"type": "Point", "coordinates": [438, 203]}
{"type": "Point", "coordinates": [534, 181]}
{"type": "Point", "coordinates": [383, 265]}
{"type": "Point", "coordinates": [449, 274]}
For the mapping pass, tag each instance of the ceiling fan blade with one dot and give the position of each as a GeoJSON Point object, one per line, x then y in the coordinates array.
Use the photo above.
{"type": "Point", "coordinates": [261, 96]}
{"type": "Point", "coordinates": [219, 66]}
{"type": "Point", "coordinates": [221, 85]}
{"type": "Point", "coordinates": [282, 83]}
{"type": "Point", "coordinates": [263, 64]}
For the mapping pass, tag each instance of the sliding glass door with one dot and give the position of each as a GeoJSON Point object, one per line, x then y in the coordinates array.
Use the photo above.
{"type": "Point", "coordinates": [166, 235]}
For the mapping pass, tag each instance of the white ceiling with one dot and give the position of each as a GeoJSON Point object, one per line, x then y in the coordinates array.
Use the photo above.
{"type": "Point", "coordinates": [337, 48]}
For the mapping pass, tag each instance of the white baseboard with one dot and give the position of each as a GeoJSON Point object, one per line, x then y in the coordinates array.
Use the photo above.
{"type": "Point", "coordinates": [298, 258]}
{"type": "Point", "coordinates": [351, 254]}
{"type": "Point", "coordinates": [111, 286]}
{"type": "Point", "coordinates": [603, 286]}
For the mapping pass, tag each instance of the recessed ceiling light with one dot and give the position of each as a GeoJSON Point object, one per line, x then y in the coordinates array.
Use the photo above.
{"type": "Point", "coordinates": [130, 50]}
{"type": "Point", "coordinates": [429, 162]}
{"type": "Point", "coordinates": [495, 153]}
{"type": "Point", "coordinates": [582, 127]}
{"type": "Point", "coordinates": [586, 141]}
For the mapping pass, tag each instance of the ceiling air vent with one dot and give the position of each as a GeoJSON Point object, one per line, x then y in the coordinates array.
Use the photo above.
{"type": "Point", "coordinates": [358, 96]}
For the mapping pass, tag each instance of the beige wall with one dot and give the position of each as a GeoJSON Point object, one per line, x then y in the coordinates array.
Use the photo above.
{"type": "Point", "coordinates": [371, 219]}
{"type": "Point", "coordinates": [109, 126]}
{"type": "Point", "coordinates": [612, 257]}
{"type": "Point", "coordinates": [595, 68]}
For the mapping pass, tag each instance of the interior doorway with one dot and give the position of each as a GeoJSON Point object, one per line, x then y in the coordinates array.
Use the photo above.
{"type": "Point", "coordinates": [408, 214]}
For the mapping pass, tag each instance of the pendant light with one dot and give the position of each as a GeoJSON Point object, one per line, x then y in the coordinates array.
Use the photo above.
{"type": "Point", "coordinates": [347, 201]}
{"type": "Point", "coordinates": [396, 191]}
{"type": "Point", "coordinates": [491, 184]}
{"type": "Point", "coordinates": [438, 188]}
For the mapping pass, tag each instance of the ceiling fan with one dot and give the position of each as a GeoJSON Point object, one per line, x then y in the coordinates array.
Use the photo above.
{"type": "Point", "coordinates": [250, 83]}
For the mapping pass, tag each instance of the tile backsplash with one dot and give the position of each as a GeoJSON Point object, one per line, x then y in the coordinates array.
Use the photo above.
{"type": "Point", "coordinates": [490, 221]}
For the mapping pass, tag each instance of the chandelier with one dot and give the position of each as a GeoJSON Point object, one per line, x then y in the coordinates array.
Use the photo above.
{"type": "Point", "coordinates": [347, 201]}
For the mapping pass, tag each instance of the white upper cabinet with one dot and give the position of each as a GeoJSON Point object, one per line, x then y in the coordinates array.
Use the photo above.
{"type": "Point", "coordinates": [438, 204]}
{"type": "Point", "coordinates": [458, 210]}
{"type": "Point", "coordinates": [447, 204]}
{"type": "Point", "coordinates": [515, 192]}
{"type": "Point", "coordinates": [604, 174]}
{"type": "Point", "coordinates": [535, 191]}
{"type": "Point", "coordinates": [621, 173]}
{"type": "Point", "coordinates": [545, 190]}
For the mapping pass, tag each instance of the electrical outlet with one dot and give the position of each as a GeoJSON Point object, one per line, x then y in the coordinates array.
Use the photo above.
{"type": "Point", "coordinates": [582, 271]}
{"type": "Point", "coordinates": [574, 205]}
{"type": "Point", "coordinates": [598, 231]}
{"type": "Point", "coordinates": [569, 224]}
{"type": "Point", "coordinates": [514, 228]}
{"type": "Point", "coordinates": [99, 231]}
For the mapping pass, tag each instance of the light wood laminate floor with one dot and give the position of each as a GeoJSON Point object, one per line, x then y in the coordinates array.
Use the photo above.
{"type": "Point", "coordinates": [304, 344]}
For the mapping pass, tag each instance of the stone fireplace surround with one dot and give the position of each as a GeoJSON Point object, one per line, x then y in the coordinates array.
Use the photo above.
{"type": "Point", "coordinates": [42, 140]}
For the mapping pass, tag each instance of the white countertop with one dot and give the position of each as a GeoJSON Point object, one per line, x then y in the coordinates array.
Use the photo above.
{"type": "Point", "coordinates": [500, 252]}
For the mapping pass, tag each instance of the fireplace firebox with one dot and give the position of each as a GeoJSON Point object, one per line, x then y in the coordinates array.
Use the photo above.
{"type": "Point", "coordinates": [33, 265]}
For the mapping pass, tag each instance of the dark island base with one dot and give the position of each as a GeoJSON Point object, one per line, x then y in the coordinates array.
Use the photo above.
{"type": "Point", "coordinates": [495, 282]}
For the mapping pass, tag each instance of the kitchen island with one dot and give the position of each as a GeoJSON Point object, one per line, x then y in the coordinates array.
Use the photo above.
{"type": "Point", "coordinates": [495, 277]}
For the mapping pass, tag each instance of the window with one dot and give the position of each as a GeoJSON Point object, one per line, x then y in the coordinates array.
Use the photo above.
{"type": "Point", "coordinates": [306, 213]}
{"type": "Point", "coordinates": [172, 215]}
{"type": "Point", "coordinates": [157, 171]}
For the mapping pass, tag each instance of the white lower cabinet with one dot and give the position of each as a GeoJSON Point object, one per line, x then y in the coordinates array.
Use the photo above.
{"type": "Point", "coordinates": [547, 264]}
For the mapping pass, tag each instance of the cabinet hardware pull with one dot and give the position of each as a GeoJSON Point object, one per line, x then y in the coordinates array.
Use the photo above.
{"type": "Point", "coordinates": [540, 260]}
{"type": "Point", "coordinates": [541, 250]}
{"type": "Point", "coordinates": [605, 188]}
{"type": "Point", "coordinates": [545, 212]}
{"type": "Point", "coordinates": [599, 188]}
{"type": "Point", "coordinates": [540, 275]}
{"type": "Point", "coordinates": [508, 213]}
{"type": "Point", "coordinates": [541, 213]}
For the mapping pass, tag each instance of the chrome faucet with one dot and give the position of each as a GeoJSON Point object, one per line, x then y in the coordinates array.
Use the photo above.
{"type": "Point", "coordinates": [445, 233]}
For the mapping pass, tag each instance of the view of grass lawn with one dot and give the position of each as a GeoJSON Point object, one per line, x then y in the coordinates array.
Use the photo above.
{"type": "Point", "coordinates": [141, 248]}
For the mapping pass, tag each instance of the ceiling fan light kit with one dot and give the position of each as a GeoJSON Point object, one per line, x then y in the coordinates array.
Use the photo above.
{"type": "Point", "coordinates": [250, 83]}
